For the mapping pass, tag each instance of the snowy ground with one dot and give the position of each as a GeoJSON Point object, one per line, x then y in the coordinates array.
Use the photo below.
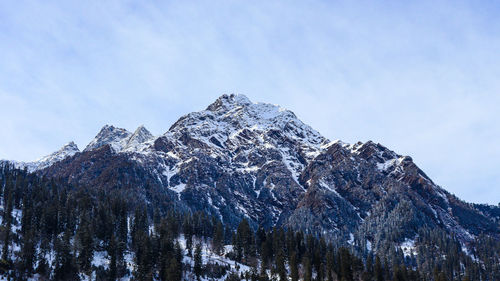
{"type": "Point", "coordinates": [408, 247]}
{"type": "Point", "coordinates": [209, 257]}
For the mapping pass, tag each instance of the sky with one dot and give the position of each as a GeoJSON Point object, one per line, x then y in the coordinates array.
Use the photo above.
{"type": "Point", "coordinates": [420, 77]}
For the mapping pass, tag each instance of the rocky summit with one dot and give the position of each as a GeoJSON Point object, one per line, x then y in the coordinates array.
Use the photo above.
{"type": "Point", "coordinates": [239, 159]}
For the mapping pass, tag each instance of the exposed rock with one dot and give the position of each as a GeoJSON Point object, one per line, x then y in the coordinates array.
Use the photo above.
{"type": "Point", "coordinates": [241, 159]}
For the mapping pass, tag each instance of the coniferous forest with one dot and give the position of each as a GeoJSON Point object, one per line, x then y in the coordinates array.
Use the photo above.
{"type": "Point", "coordinates": [54, 231]}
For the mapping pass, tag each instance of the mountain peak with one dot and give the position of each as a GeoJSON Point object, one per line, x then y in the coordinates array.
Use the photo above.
{"type": "Point", "coordinates": [225, 102]}
{"type": "Point", "coordinates": [140, 135]}
{"type": "Point", "coordinates": [70, 146]}
{"type": "Point", "coordinates": [239, 112]}
{"type": "Point", "coordinates": [109, 135]}
{"type": "Point", "coordinates": [230, 114]}
{"type": "Point", "coordinates": [142, 131]}
{"type": "Point", "coordinates": [67, 150]}
{"type": "Point", "coordinates": [141, 128]}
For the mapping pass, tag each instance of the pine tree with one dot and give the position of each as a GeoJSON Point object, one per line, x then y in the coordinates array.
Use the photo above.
{"type": "Point", "coordinates": [7, 216]}
{"type": "Point", "coordinates": [386, 269]}
{"type": "Point", "coordinates": [346, 272]}
{"type": "Point", "coordinates": [378, 272]}
{"type": "Point", "coordinates": [369, 267]}
{"type": "Point", "coordinates": [197, 268]}
{"type": "Point", "coordinates": [244, 240]}
{"type": "Point", "coordinates": [139, 226]}
{"type": "Point", "coordinates": [318, 260]}
{"type": "Point", "coordinates": [188, 234]}
{"type": "Point", "coordinates": [398, 274]}
{"type": "Point", "coordinates": [65, 267]}
{"type": "Point", "coordinates": [143, 257]}
{"type": "Point", "coordinates": [174, 270]}
{"type": "Point", "coordinates": [84, 245]}
{"type": "Point", "coordinates": [330, 266]}
{"type": "Point", "coordinates": [112, 251]}
{"type": "Point", "coordinates": [307, 269]}
{"type": "Point", "coordinates": [28, 252]}
{"type": "Point", "coordinates": [294, 269]}
{"type": "Point", "coordinates": [218, 240]}
{"type": "Point", "coordinates": [280, 266]}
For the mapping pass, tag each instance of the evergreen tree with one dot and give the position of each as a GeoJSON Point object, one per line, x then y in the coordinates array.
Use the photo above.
{"type": "Point", "coordinates": [280, 267]}
{"type": "Point", "coordinates": [84, 242]}
{"type": "Point", "coordinates": [174, 271]}
{"type": "Point", "coordinates": [330, 266]}
{"type": "Point", "coordinates": [244, 240]}
{"type": "Point", "coordinates": [377, 270]}
{"type": "Point", "coordinates": [266, 251]}
{"type": "Point", "coordinates": [198, 266]}
{"type": "Point", "coordinates": [7, 220]}
{"type": "Point", "coordinates": [28, 252]}
{"type": "Point", "coordinates": [188, 234]}
{"type": "Point", "coordinates": [65, 265]}
{"type": "Point", "coordinates": [294, 269]}
{"type": "Point", "coordinates": [368, 274]}
{"type": "Point", "coordinates": [143, 257]}
{"type": "Point", "coordinates": [112, 253]}
{"type": "Point", "coordinates": [307, 269]}
{"type": "Point", "coordinates": [218, 240]}
{"type": "Point", "coordinates": [346, 272]}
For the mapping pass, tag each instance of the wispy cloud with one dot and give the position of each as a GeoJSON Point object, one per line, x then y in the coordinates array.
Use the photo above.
{"type": "Point", "coordinates": [421, 78]}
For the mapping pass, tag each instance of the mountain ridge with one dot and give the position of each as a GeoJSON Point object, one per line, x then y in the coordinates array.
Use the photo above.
{"type": "Point", "coordinates": [238, 159]}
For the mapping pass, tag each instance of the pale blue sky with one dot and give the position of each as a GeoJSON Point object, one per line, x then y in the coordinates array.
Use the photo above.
{"type": "Point", "coordinates": [421, 77]}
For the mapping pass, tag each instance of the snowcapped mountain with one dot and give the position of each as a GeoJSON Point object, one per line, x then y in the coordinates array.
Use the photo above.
{"type": "Point", "coordinates": [238, 159]}
{"type": "Point", "coordinates": [231, 116]}
{"type": "Point", "coordinates": [67, 150]}
{"type": "Point", "coordinates": [120, 139]}
{"type": "Point", "coordinates": [138, 138]}
{"type": "Point", "coordinates": [243, 131]}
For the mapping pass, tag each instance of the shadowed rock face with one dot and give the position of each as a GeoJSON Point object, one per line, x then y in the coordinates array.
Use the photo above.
{"type": "Point", "coordinates": [241, 159]}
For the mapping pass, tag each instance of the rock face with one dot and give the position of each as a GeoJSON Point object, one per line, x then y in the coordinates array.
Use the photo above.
{"type": "Point", "coordinates": [239, 159]}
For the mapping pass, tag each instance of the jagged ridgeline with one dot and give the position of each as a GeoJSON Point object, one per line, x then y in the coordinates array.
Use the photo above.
{"type": "Point", "coordinates": [258, 163]}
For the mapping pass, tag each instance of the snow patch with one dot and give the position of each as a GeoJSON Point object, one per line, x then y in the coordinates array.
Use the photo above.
{"type": "Point", "coordinates": [408, 247]}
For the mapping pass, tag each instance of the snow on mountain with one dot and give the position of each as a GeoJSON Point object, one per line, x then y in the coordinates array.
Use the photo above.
{"type": "Point", "coordinates": [240, 159]}
{"type": "Point", "coordinates": [115, 137]}
{"type": "Point", "coordinates": [136, 141]}
{"type": "Point", "coordinates": [67, 150]}
{"type": "Point", "coordinates": [230, 115]}
{"type": "Point", "coordinates": [120, 139]}
{"type": "Point", "coordinates": [235, 128]}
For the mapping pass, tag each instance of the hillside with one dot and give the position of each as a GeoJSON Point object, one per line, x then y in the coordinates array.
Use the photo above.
{"type": "Point", "coordinates": [238, 160]}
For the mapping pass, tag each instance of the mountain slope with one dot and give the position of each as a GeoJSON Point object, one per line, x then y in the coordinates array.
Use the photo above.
{"type": "Point", "coordinates": [64, 152]}
{"type": "Point", "coordinates": [237, 159]}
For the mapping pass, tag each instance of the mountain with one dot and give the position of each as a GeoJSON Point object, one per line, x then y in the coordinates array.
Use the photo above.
{"type": "Point", "coordinates": [119, 139]}
{"type": "Point", "coordinates": [216, 175]}
{"type": "Point", "coordinates": [67, 150]}
{"type": "Point", "coordinates": [238, 159]}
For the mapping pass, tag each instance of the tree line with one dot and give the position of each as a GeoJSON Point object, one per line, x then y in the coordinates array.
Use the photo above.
{"type": "Point", "coordinates": [56, 231]}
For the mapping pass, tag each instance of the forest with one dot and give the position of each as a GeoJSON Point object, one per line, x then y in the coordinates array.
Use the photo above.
{"type": "Point", "coordinates": [54, 231]}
